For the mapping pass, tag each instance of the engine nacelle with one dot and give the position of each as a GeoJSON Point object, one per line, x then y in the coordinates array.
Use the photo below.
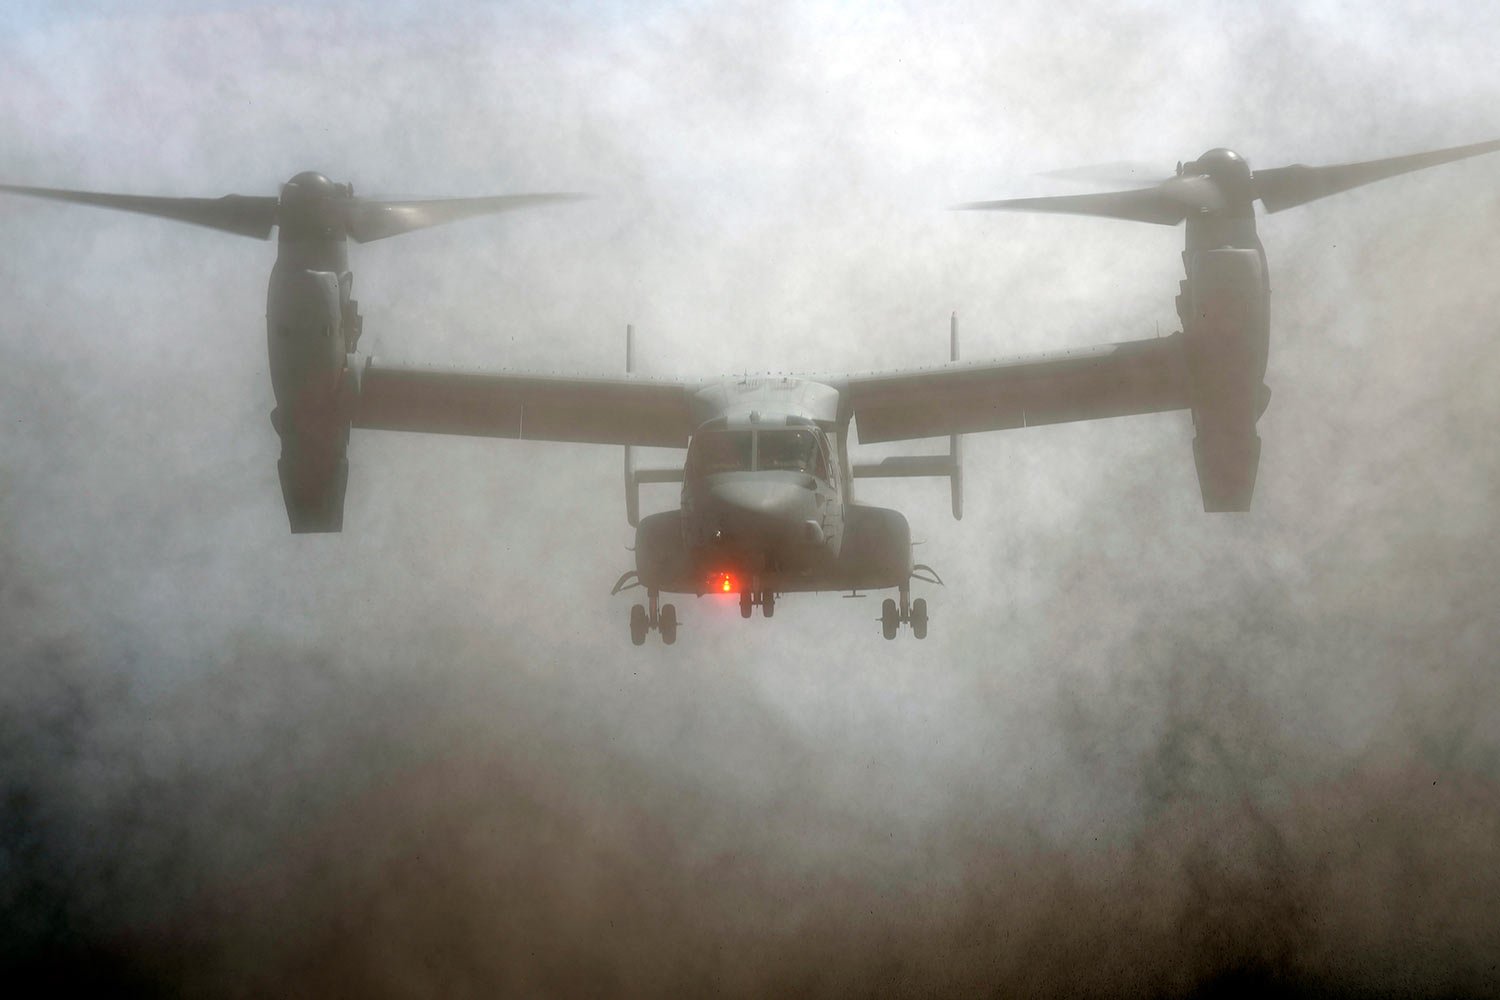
{"type": "Point", "coordinates": [305, 336]}
{"type": "Point", "coordinates": [1226, 333]}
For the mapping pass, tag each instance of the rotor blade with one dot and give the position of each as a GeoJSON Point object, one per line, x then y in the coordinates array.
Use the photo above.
{"type": "Point", "coordinates": [1165, 205]}
{"type": "Point", "coordinates": [372, 219]}
{"type": "Point", "coordinates": [1288, 187]}
{"type": "Point", "coordinates": [234, 213]}
{"type": "Point", "coordinates": [1122, 173]}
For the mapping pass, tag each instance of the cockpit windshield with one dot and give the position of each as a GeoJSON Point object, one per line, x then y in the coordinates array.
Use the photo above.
{"type": "Point", "coordinates": [787, 451]}
{"type": "Point", "coordinates": [790, 450]}
{"type": "Point", "coordinates": [712, 452]}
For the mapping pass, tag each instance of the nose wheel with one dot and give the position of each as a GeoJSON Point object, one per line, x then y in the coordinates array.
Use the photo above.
{"type": "Point", "coordinates": [649, 617]}
{"type": "Point", "coordinates": [749, 599]}
{"type": "Point", "coordinates": [908, 612]}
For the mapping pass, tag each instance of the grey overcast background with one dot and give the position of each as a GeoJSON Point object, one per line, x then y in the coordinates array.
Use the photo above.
{"type": "Point", "coordinates": [1145, 751]}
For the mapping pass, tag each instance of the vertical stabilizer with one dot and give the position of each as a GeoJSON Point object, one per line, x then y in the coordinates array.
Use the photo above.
{"type": "Point", "coordinates": [632, 489]}
{"type": "Point", "coordinates": [955, 446]}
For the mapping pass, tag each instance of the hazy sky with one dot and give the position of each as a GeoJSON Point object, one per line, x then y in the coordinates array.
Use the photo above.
{"type": "Point", "coordinates": [1132, 697]}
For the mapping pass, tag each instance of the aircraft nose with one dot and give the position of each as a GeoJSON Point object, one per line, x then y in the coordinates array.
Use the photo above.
{"type": "Point", "coordinates": [758, 505]}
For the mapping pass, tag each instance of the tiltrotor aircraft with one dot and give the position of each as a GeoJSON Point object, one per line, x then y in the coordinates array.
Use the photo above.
{"type": "Point", "coordinates": [767, 504]}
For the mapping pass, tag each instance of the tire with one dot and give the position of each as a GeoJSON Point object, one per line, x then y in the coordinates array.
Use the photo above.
{"type": "Point", "coordinates": [889, 619]}
{"type": "Point", "coordinates": [639, 625]}
{"type": "Point", "coordinates": [768, 604]}
{"type": "Point", "coordinates": [745, 606]}
{"type": "Point", "coordinates": [667, 622]}
{"type": "Point", "coordinates": [919, 618]}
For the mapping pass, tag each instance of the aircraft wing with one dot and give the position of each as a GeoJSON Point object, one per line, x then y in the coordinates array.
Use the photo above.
{"type": "Point", "coordinates": [616, 410]}
{"type": "Point", "coordinates": [1143, 376]}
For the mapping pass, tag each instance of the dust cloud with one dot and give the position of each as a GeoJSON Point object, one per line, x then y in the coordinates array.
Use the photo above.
{"type": "Point", "coordinates": [1144, 752]}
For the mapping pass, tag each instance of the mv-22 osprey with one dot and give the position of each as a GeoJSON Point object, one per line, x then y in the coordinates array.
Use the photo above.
{"type": "Point", "coordinates": [767, 503]}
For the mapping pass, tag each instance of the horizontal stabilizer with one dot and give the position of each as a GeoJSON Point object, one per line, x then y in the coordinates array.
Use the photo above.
{"type": "Point", "coordinates": [948, 466]}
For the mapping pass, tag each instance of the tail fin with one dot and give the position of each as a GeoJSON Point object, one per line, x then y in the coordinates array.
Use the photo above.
{"type": "Point", "coordinates": [950, 465]}
{"type": "Point", "coordinates": [955, 445]}
{"type": "Point", "coordinates": [632, 491]}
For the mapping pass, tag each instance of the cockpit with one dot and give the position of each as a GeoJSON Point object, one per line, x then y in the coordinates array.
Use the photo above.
{"type": "Point", "coordinates": [790, 449]}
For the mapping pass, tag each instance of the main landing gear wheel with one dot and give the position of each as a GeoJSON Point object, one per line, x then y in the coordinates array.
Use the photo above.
{"type": "Point", "coordinates": [908, 612]}
{"type": "Point", "coordinates": [768, 604]}
{"type": "Point", "coordinates": [651, 617]}
{"type": "Point", "coordinates": [746, 605]}
{"type": "Point", "coordinates": [919, 618]}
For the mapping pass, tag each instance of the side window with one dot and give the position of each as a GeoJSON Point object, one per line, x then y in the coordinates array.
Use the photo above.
{"type": "Point", "coordinates": [824, 469]}
{"type": "Point", "coordinates": [820, 460]}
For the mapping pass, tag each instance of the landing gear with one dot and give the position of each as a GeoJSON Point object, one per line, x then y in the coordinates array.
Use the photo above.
{"type": "Point", "coordinates": [661, 619]}
{"type": "Point", "coordinates": [639, 625]}
{"type": "Point", "coordinates": [919, 618]}
{"type": "Point", "coordinates": [667, 622]}
{"type": "Point", "coordinates": [908, 612]}
{"type": "Point", "coordinates": [750, 598]}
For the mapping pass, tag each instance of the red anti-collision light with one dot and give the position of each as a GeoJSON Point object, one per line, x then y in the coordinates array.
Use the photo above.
{"type": "Point", "coordinates": [723, 583]}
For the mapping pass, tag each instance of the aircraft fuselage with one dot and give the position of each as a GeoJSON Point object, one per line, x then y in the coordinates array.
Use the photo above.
{"type": "Point", "coordinates": [765, 504]}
